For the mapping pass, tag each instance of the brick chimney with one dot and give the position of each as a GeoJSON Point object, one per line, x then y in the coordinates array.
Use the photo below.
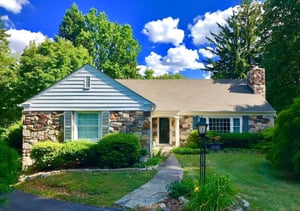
{"type": "Point", "coordinates": [256, 80]}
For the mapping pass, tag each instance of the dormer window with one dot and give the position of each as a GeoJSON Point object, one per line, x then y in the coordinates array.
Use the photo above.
{"type": "Point", "coordinates": [87, 82]}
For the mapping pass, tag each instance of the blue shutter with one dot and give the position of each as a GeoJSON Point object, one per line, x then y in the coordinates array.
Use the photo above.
{"type": "Point", "coordinates": [245, 123]}
{"type": "Point", "coordinates": [105, 123]}
{"type": "Point", "coordinates": [67, 126]}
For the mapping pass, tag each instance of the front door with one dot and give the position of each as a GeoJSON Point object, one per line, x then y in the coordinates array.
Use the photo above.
{"type": "Point", "coordinates": [164, 131]}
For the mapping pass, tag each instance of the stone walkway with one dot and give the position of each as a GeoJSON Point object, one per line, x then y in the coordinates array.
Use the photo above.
{"type": "Point", "coordinates": [154, 191]}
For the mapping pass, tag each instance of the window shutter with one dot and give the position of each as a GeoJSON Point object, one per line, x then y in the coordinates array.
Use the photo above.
{"type": "Point", "coordinates": [245, 123]}
{"type": "Point", "coordinates": [105, 123]}
{"type": "Point", "coordinates": [67, 126]}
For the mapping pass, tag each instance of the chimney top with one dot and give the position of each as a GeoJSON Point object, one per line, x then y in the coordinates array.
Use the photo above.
{"type": "Point", "coordinates": [256, 80]}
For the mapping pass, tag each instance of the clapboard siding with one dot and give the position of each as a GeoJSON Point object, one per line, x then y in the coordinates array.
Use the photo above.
{"type": "Point", "coordinates": [105, 94]}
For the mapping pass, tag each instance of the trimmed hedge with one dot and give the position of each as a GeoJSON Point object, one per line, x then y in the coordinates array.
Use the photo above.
{"type": "Point", "coordinates": [50, 155]}
{"type": "Point", "coordinates": [119, 150]}
{"type": "Point", "coordinates": [185, 150]}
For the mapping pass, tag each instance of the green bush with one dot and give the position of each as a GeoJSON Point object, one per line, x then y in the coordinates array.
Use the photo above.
{"type": "Point", "coordinates": [185, 150]}
{"type": "Point", "coordinates": [46, 155]}
{"type": "Point", "coordinates": [10, 167]}
{"type": "Point", "coordinates": [193, 140]}
{"type": "Point", "coordinates": [216, 194]}
{"type": "Point", "coordinates": [285, 155]}
{"type": "Point", "coordinates": [181, 188]}
{"type": "Point", "coordinates": [78, 154]}
{"type": "Point", "coordinates": [240, 140]}
{"type": "Point", "coordinates": [13, 135]}
{"type": "Point", "coordinates": [50, 155]}
{"type": "Point", "coordinates": [119, 150]}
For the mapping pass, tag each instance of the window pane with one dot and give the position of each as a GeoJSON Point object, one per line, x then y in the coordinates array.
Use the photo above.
{"type": "Point", "coordinates": [87, 126]}
{"type": "Point", "coordinates": [221, 125]}
{"type": "Point", "coordinates": [236, 125]}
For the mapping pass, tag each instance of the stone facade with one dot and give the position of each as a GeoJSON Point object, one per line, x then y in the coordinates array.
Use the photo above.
{"type": "Point", "coordinates": [256, 80]}
{"type": "Point", "coordinates": [40, 126]}
{"type": "Point", "coordinates": [259, 123]}
{"type": "Point", "coordinates": [136, 122]}
{"type": "Point", "coordinates": [186, 127]}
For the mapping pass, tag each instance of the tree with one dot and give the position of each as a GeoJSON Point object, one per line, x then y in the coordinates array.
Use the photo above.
{"type": "Point", "coordinates": [149, 74]}
{"type": "Point", "coordinates": [72, 24]}
{"type": "Point", "coordinates": [236, 43]}
{"type": "Point", "coordinates": [8, 78]}
{"type": "Point", "coordinates": [281, 58]}
{"type": "Point", "coordinates": [112, 46]}
{"type": "Point", "coordinates": [285, 154]}
{"type": "Point", "coordinates": [43, 65]}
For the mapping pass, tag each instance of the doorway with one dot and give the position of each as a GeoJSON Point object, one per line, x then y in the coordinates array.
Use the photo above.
{"type": "Point", "coordinates": [164, 131]}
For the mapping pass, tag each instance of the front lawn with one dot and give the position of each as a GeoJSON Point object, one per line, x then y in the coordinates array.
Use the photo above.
{"type": "Point", "coordinates": [97, 189]}
{"type": "Point", "coordinates": [252, 175]}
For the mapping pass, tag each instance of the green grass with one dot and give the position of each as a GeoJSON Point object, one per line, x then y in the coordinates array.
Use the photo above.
{"type": "Point", "coordinates": [98, 189]}
{"type": "Point", "coordinates": [254, 177]}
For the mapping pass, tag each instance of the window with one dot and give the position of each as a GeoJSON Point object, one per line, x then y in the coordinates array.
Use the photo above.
{"type": "Point", "coordinates": [87, 82]}
{"type": "Point", "coordinates": [88, 126]}
{"type": "Point", "coordinates": [221, 125]}
{"type": "Point", "coordinates": [236, 125]}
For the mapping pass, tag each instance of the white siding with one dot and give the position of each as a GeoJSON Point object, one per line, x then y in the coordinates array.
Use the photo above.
{"type": "Point", "coordinates": [105, 94]}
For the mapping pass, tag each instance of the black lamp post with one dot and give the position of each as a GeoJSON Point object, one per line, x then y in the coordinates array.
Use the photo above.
{"type": "Point", "coordinates": [202, 126]}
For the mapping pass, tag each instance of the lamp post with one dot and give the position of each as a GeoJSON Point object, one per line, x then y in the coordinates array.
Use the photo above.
{"type": "Point", "coordinates": [202, 126]}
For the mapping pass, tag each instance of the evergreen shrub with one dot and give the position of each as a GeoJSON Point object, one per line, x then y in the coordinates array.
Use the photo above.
{"type": "Point", "coordinates": [119, 150]}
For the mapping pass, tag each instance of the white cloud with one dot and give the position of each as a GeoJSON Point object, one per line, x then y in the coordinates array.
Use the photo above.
{"type": "Point", "coordinates": [204, 25]}
{"type": "Point", "coordinates": [206, 53]}
{"type": "Point", "coordinates": [164, 31]}
{"type": "Point", "coordinates": [19, 39]}
{"type": "Point", "coordinates": [177, 59]}
{"type": "Point", "coordinates": [7, 22]}
{"type": "Point", "coordinates": [14, 6]}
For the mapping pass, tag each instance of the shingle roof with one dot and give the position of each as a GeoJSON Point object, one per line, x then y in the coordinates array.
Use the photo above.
{"type": "Point", "coordinates": [188, 95]}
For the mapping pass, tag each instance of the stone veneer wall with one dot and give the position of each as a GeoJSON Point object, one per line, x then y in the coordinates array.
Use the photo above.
{"type": "Point", "coordinates": [259, 123]}
{"type": "Point", "coordinates": [256, 80]}
{"type": "Point", "coordinates": [186, 127]}
{"type": "Point", "coordinates": [39, 126]}
{"type": "Point", "coordinates": [137, 122]}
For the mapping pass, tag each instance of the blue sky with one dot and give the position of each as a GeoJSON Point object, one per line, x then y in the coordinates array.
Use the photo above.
{"type": "Point", "coordinates": [171, 32]}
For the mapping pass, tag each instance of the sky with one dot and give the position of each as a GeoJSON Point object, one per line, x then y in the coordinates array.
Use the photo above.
{"type": "Point", "coordinates": [172, 33]}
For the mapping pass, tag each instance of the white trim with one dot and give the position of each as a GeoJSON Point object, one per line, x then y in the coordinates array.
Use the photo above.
{"type": "Point", "coordinates": [76, 124]}
{"type": "Point", "coordinates": [177, 131]}
{"type": "Point", "coordinates": [226, 117]}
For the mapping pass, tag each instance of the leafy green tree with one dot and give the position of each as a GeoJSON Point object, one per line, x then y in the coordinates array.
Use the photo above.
{"type": "Point", "coordinates": [149, 74]}
{"type": "Point", "coordinates": [281, 58]}
{"type": "Point", "coordinates": [111, 45]}
{"type": "Point", "coordinates": [72, 24]}
{"type": "Point", "coordinates": [8, 78]}
{"type": "Point", "coordinates": [285, 154]}
{"type": "Point", "coordinates": [43, 65]}
{"type": "Point", "coordinates": [236, 43]}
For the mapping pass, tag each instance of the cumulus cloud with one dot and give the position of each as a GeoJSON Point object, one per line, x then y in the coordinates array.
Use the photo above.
{"type": "Point", "coordinates": [19, 39]}
{"type": "Point", "coordinates": [164, 31]}
{"type": "Point", "coordinates": [14, 6]}
{"type": "Point", "coordinates": [177, 59]}
{"type": "Point", "coordinates": [206, 53]}
{"type": "Point", "coordinates": [208, 23]}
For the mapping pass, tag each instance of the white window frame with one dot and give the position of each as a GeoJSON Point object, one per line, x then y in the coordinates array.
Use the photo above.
{"type": "Point", "coordinates": [231, 122]}
{"type": "Point", "coordinates": [99, 124]}
{"type": "Point", "coordinates": [87, 82]}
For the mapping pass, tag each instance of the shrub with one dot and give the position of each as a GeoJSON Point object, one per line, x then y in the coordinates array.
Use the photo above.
{"type": "Point", "coordinates": [181, 188]}
{"type": "Point", "coordinates": [13, 135]}
{"type": "Point", "coordinates": [216, 194]}
{"type": "Point", "coordinates": [118, 150]}
{"type": "Point", "coordinates": [78, 154]}
{"type": "Point", "coordinates": [284, 154]}
{"type": "Point", "coordinates": [46, 155]}
{"type": "Point", "coordinates": [185, 150]}
{"type": "Point", "coordinates": [193, 140]}
{"type": "Point", "coordinates": [10, 167]}
{"type": "Point", "coordinates": [240, 140]}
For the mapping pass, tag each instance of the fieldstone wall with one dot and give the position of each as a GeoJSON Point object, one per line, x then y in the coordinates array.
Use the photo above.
{"type": "Point", "coordinates": [186, 127]}
{"type": "Point", "coordinates": [40, 126]}
{"type": "Point", "coordinates": [137, 122]}
{"type": "Point", "coordinates": [259, 123]}
{"type": "Point", "coordinates": [256, 80]}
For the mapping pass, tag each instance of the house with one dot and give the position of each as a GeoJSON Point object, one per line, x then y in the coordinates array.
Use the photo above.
{"type": "Point", "coordinates": [88, 104]}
